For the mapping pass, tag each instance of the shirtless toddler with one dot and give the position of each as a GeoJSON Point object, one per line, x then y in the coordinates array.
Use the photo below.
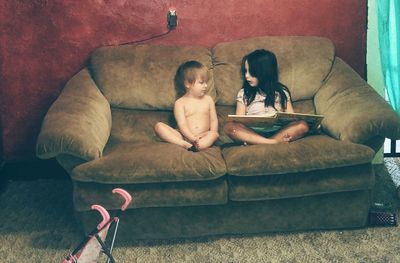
{"type": "Point", "coordinates": [194, 112]}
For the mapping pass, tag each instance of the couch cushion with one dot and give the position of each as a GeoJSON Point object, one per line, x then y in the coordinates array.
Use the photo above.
{"type": "Point", "coordinates": [124, 163]}
{"type": "Point", "coordinates": [307, 154]}
{"type": "Point", "coordinates": [142, 76]}
{"type": "Point", "coordinates": [223, 112]}
{"type": "Point", "coordinates": [209, 192]}
{"type": "Point", "coordinates": [78, 123]}
{"type": "Point", "coordinates": [304, 106]}
{"type": "Point", "coordinates": [303, 62]}
{"type": "Point", "coordinates": [137, 126]}
{"type": "Point", "coordinates": [290, 185]}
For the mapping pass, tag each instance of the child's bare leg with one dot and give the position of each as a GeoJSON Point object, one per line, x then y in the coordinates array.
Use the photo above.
{"type": "Point", "coordinates": [207, 139]}
{"type": "Point", "coordinates": [240, 132]}
{"type": "Point", "coordinates": [170, 135]}
{"type": "Point", "coordinates": [292, 131]}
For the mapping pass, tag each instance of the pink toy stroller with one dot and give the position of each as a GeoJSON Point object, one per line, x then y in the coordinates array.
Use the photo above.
{"type": "Point", "coordinates": [89, 249]}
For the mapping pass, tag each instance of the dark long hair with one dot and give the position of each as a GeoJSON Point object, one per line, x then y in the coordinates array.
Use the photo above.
{"type": "Point", "coordinates": [264, 66]}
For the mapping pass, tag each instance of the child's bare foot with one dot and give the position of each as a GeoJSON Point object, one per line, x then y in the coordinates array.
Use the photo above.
{"type": "Point", "coordinates": [287, 138]}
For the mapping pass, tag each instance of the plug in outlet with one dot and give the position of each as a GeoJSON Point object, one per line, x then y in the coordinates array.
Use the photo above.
{"type": "Point", "coordinates": [172, 19]}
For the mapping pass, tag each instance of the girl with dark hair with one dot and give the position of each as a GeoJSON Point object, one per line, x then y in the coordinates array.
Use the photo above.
{"type": "Point", "coordinates": [262, 93]}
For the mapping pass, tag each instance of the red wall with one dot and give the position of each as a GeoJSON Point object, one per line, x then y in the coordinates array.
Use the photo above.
{"type": "Point", "coordinates": [45, 42]}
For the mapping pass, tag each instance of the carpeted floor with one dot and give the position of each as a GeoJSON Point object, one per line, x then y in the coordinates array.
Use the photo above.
{"type": "Point", "coordinates": [37, 225]}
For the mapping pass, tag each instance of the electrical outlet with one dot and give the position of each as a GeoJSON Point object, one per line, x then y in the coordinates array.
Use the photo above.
{"type": "Point", "coordinates": [172, 19]}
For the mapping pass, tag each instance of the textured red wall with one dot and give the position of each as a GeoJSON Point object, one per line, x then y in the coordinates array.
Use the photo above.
{"type": "Point", "coordinates": [44, 42]}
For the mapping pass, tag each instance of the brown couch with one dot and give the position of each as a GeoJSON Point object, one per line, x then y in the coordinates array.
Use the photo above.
{"type": "Point", "coordinates": [100, 129]}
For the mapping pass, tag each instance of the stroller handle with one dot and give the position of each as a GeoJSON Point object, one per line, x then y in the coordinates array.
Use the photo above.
{"type": "Point", "coordinates": [125, 195]}
{"type": "Point", "coordinates": [104, 214]}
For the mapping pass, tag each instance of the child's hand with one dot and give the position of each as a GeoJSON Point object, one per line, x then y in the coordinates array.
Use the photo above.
{"type": "Point", "coordinates": [196, 143]}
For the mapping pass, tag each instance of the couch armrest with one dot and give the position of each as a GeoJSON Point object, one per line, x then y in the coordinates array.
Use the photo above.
{"type": "Point", "coordinates": [78, 123]}
{"type": "Point", "coordinates": [353, 110]}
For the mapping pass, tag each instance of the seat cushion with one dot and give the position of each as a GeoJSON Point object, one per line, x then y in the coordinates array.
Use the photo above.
{"type": "Point", "coordinates": [157, 162]}
{"type": "Point", "coordinates": [291, 185]}
{"type": "Point", "coordinates": [307, 154]}
{"type": "Point", "coordinates": [171, 194]}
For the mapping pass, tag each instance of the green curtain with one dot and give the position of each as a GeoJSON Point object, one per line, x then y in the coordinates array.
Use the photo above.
{"type": "Point", "coordinates": [389, 42]}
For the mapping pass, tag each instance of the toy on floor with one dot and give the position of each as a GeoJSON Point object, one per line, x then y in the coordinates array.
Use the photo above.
{"type": "Point", "coordinates": [88, 251]}
{"type": "Point", "coordinates": [381, 215]}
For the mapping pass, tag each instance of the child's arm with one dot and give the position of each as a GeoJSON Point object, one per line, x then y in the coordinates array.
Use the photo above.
{"type": "Point", "coordinates": [289, 106]}
{"type": "Point", "coordinates": [179, 113]}
{"type": "Point", "coordinates": [213, 116]}
{"type": "Point", "coordinates": [240, 108]}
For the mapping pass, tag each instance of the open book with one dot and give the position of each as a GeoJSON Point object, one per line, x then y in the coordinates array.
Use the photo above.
{"type": "Point", "coordinates": [277, 119]}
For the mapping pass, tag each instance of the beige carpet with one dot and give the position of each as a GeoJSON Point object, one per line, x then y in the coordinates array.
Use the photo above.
{"type": "Point", "coordinates": [37, 225]}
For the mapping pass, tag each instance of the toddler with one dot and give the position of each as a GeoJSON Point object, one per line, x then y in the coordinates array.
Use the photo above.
{"type": "Point", "coordinates": [194, 112]}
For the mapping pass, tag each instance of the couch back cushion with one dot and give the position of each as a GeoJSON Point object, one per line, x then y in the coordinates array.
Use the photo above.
{"type": "Point", "coordinates": [136, 126]}
{"type": "Point", "coordinates": [303, 62]}
{"type": "Point", "coordinates": [142, 76]}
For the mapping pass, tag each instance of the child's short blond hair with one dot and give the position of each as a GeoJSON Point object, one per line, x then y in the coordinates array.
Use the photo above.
{"type": "Point", "coordinates": [189, 72]}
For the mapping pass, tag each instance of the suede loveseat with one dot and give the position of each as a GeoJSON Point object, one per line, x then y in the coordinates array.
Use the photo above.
{"type": "Point", "coordinates": [100, 129]}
